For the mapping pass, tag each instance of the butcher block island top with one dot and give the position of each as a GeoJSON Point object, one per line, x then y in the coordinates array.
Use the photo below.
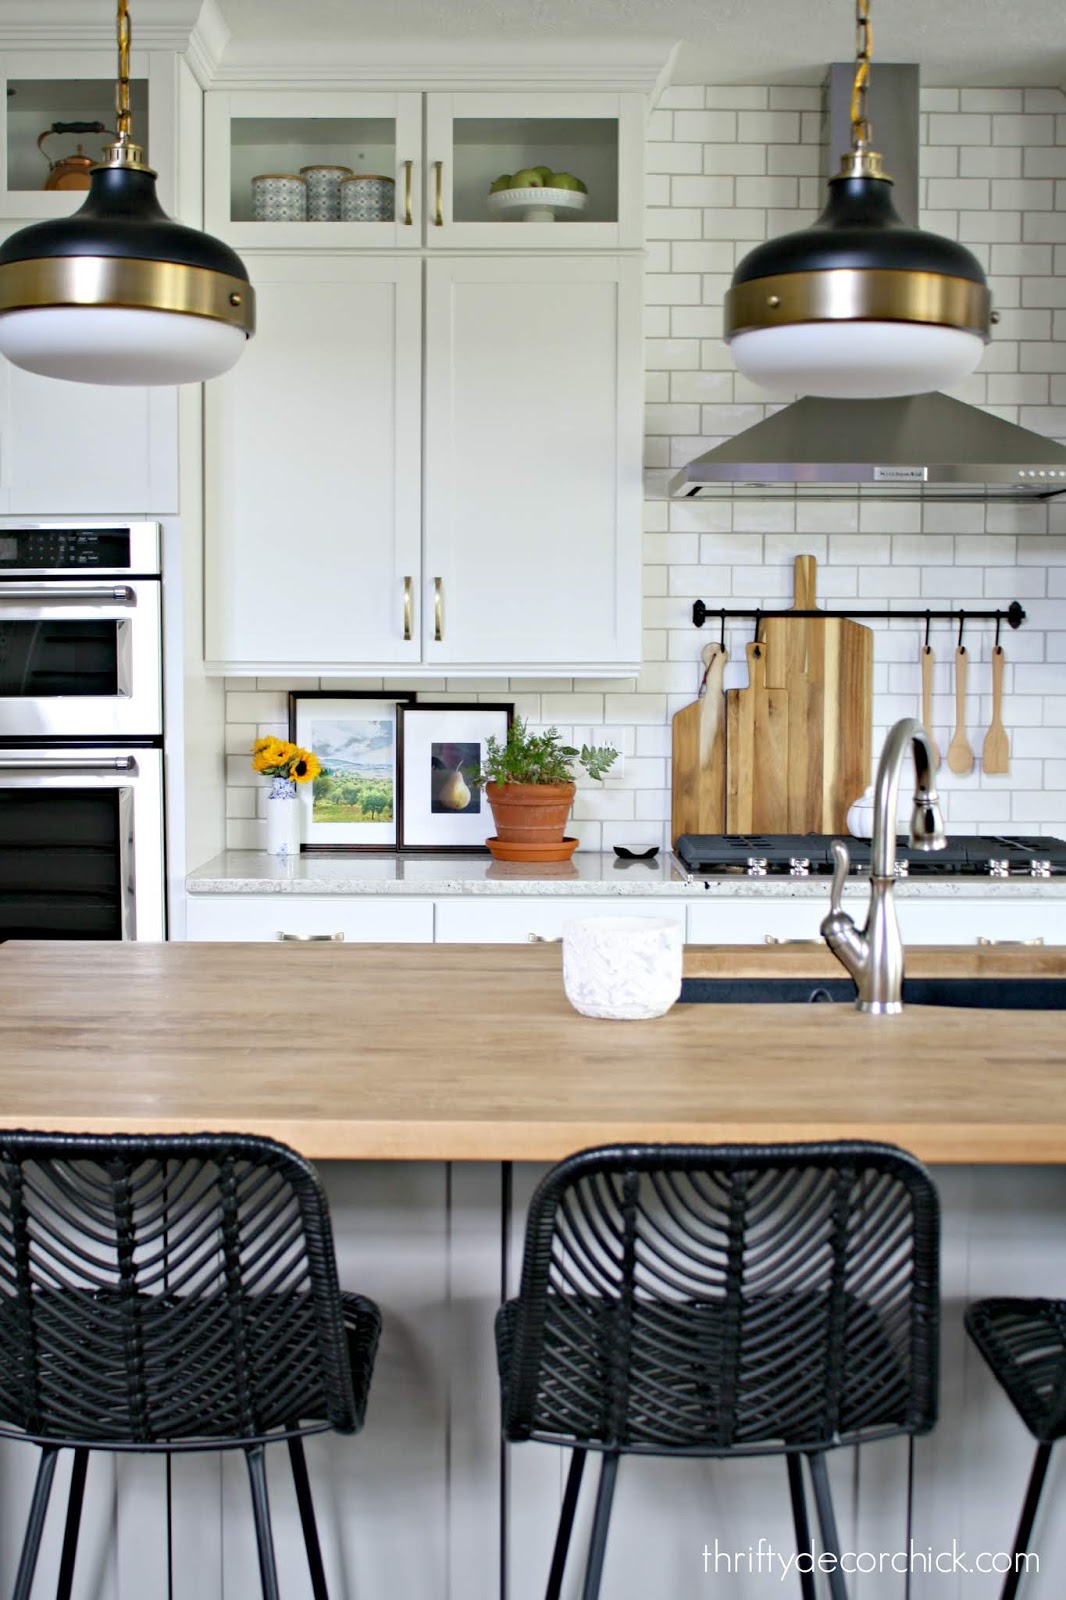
{"type": "Point", "coordinates": [471, 1052]}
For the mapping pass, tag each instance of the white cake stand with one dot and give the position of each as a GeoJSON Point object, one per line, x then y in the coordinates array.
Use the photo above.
{"type": "Point", "coordinates": [537, 205]}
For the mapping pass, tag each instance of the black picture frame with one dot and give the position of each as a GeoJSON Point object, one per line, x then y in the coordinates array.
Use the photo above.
{"type": "Point", "coordinates": [461, 709]}
{"type": "Point", "coordinates": [380, 845]}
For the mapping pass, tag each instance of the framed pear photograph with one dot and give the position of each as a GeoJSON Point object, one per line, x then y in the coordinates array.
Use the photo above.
{"type": "Point", "coordinates": [441, 749]}
{"type": "Point", "coordinates": [354, 801]}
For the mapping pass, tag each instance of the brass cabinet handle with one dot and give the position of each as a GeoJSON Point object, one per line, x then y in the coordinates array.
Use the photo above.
{"type": "Point", "coordinates": [310, 938]}
{"type": "Point", "coordinates": [542, 938]}
{"type": "Point", "coordinates": [408, 585]}
{"type": "Point", "coordinates": [988, 944]}
{"type": "Point", "coordinates": [408, 169]}
{"type": "Point", "coordinates": [438, 609]}
{"type": "Point", "coordinates": [439, 168]}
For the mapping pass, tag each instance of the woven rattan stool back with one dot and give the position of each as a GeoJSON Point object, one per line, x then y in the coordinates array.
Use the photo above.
{"type": "Point", "coordinates": [166, 1292]}
{"type": "Point", "coordinates": [712, 1300]}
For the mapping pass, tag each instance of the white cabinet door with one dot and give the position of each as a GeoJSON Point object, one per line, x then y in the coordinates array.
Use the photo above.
{"type": "Point", "coordinates": [313, 456]}
{"type": "Point", "coordinates": [529, 918]}
{"type": "Point", "coordinates": [533, 464]}
{"type": "Point", "coordinates": [80, 449]}
{"type": "Point", "coordinates": [262, 918]}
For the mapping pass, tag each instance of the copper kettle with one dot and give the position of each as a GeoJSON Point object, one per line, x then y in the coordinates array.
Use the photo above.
{"type": "Point", "coordinates": [71, 172]}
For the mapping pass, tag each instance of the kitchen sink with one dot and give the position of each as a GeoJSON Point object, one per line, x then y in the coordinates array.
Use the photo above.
{"type": "Point", "coordinates": [989, 994]}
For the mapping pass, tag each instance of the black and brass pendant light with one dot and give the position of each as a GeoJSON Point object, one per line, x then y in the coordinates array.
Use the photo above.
{"type": "Point", "coordinates": [859, 305]}
{"type": "Point", "coordinates": [118, 293]}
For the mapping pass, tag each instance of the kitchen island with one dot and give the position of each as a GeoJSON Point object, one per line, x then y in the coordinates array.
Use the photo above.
{"type": "Point", "coordinates": [433, 1083]}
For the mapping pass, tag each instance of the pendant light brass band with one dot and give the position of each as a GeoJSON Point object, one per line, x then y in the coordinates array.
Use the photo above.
{"type": "Point", "coordinates": [844, 294]}
{"type": "Point", "coordinates": [130, 283]}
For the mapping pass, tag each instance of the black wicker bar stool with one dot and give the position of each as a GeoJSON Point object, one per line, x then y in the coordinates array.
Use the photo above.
{"type": "Point", "coordinates": [1024, 1343]}
{"type": "Point", "coordinates": [723, 1301]}
{"type": "Point", "coordinates": [172, 1294]}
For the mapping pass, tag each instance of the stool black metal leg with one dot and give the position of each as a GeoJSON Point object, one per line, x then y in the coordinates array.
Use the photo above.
{"type": "Point", "coordinates": [70, 1532]}
{"type": "Point", "coordinates": [566, 1525]}
{"type": "Point", "coordinates": [264, 1539]}
{"type": "Point", "coordinates": [600, 1523]}
{"type": "Point", "coordinates": [1027, 1518]}
{"type": "Point", "coordinates": [31, 1544]}
{"type": "Point", "coordinates": [827, 1521]}
{"type": "Point", "coordinates": [800, 1521]}
{"type": "Point", "coordinates": [307, 1519]}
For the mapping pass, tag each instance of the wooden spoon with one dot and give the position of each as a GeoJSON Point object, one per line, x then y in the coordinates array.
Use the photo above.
{"type": "Point", "coordinates": [960, 750]}
{"type": "Point", "coordinates": [996, 754]}
{"type": "Point", "coordinates": [928, 661]}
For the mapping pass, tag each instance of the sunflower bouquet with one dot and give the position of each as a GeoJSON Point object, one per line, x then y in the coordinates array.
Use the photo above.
{"type": "Point", "coordinates": [278, 759]}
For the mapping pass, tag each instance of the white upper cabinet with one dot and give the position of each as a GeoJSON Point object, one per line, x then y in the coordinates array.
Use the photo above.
{"type": "Point", "coordinates": [533, 448]}
{"type": "Point", "coordinates": [313, 470]}
{"type": "Point", "coordinates": [254, 132]}
{"type": "Point", "coordinates": [474, 139]}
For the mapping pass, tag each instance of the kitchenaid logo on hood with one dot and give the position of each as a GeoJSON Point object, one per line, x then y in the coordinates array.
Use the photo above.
{"type": "Point", "coordinates": [901, 474]}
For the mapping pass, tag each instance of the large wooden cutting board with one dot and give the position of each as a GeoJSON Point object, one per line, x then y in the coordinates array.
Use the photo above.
{"type": "Point", "coordinates": [698, 768]}
{"type": "Point", "coordinates": [825, 664]}
{"type": "Point", "coordinates": [757, 735]}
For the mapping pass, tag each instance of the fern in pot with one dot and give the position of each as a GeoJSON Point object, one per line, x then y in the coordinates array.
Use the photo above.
{"type": "Point", "coordinates": [528, 779]}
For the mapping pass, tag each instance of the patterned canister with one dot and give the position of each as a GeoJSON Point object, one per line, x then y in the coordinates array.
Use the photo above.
{"type": "Point", "coordinates": [367, 198]}
{"type": "Point", "coordinates": [279, 197]}
{"type": "Point", "coordinates": [324, 192]}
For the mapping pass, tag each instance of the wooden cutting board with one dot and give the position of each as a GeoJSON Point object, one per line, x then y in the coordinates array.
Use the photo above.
{"type": "Point", "coordinates": [698, 781]}
{"type": "Point", "coordinates": [825, 665]}
{"type": "Point", "coordinates": [757, 734]}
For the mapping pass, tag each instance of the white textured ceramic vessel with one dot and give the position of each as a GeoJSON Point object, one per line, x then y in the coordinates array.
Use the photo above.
{"type": "Point", "coordinates": [623, 967]}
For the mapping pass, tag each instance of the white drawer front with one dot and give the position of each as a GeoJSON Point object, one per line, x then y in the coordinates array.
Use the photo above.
{"type": "Point", "coordinates": [966, 921]}
{"type": "Point", "coordinates": [753, 921]}
{"type": "Point", "coordinates": [265, 917]}
{"type": "Point", "coordinates": [515, 921]}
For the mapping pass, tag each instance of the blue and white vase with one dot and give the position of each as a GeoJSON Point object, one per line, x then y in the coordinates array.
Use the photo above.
{"type": "Point", "coordinates": [283, 818]}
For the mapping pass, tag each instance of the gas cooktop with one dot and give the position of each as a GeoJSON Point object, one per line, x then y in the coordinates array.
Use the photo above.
{"type": "Point", "coordinates": [810, 856]}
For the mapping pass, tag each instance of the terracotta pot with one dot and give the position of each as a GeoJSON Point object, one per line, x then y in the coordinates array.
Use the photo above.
{"type": "Point", "coordinates": [532, 814]}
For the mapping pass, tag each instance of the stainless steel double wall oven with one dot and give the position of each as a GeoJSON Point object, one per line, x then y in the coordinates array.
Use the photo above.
{"type": "Point", "coordinates": [81, 731]}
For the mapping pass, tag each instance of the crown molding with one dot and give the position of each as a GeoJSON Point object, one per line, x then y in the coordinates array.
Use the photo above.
{"type": "Point", "coordinates": [207, 43]}
{"type": "Point", "coordinates": [90, 25]}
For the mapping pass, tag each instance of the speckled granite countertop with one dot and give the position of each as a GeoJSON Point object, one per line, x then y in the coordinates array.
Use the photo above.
{"type": "Point", "coordinates": [586, 876]}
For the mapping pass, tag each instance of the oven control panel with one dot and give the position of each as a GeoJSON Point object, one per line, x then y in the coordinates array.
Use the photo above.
{"type": "Point", "coordinates": [70, 548]}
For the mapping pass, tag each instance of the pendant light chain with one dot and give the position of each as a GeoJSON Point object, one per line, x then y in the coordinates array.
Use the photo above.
{"type": "Point", "coordinates": [124, 123]}
{"type": "Point", "coordinates": [864, 40]}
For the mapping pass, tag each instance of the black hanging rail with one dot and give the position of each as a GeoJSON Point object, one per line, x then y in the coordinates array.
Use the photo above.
{"type": "Point", "coordinates": [1014, 615]}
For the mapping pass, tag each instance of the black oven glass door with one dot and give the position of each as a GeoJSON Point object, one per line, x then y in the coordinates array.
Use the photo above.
{"type": "Point", "coordinates": [81, 845]}
{"type": "Point", "coordinates": [80, 660]}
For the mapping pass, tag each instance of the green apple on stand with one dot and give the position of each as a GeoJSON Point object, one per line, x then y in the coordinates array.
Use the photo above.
{"type": "Point", "coordinates": [545, 175]}
{"type": "Point", "coordinates": [566, 180]}
{"type": "Point", "coordinates": [528, 178]}
{"type": "Point", "coordinates": [502, 182]}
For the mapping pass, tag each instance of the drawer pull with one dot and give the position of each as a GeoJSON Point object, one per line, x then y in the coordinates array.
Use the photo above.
{"type": "Point", "coordinates": [1000, 943]}
{"type": "Point", "coordinates": [408, 171]}
{"type": "Point", "coordinates": [542, 938]}
{"type": "Point", "coordinates": [439, 217]}
{"type": "Point", "coordinates": [310, 938]}
{"type": "Point", "coordinates": [408, 589]}
{"type": "Point", "coordinates": [438, 610]}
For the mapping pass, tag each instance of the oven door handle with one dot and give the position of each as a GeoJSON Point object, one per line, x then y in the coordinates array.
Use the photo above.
{"type": "Point", "coordinates": [61, 763]}
{"type": "Point", "coordinates": [112, 593]}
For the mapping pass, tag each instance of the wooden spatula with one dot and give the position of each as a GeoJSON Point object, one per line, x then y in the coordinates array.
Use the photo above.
{"type": "Point", "coordinates": [996, 754]}
{"type": "Point", "coordinates": [928, 662]}
{"type": "Point", "coordinates": [699, 754]}
{"type": "Point", "coordinates": [960, 750]}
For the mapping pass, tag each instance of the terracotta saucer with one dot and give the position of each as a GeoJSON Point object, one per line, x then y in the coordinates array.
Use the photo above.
{"type": "Point", "coordinates": [532, 852]}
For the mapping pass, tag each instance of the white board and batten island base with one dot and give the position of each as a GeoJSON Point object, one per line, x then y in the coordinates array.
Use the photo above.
{"type": "Point", "coordinates": [432, 1085]}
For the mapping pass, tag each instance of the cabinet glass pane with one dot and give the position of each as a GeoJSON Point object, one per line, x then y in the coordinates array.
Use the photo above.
{"type": "Point", "coordinates": [34, 104]}
{"type": "Point", "coordinates": [485, 148]}
{"type": "Point", "coordinates": [282, 145]}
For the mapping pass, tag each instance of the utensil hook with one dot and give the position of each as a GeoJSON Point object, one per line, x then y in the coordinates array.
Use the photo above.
{"type": "Point", "coordinates": [721, 639]}
{"type": "Point", "coordinates": [928, 625]}
{"type": "Point", "coordinates": [999, 624]}
{"type": "Point", "coordinates": [962, 624]}
{"type": "Point", "coordinates": [757, 641]}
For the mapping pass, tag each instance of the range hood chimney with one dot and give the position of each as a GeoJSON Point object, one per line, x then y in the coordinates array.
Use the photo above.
{"type": "Point", "coordinates": [922, 446]}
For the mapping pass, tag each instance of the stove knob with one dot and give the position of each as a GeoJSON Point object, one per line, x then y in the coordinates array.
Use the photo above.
{"type": "Point", "coordinates": [799, 867]}
{"type": "Point", "coordinates": [1039, 869]}
{"type": "Point", "coordinates": [757, 866]}
{"type": "Point", "coordinates": [999, 869]}
{"type": "Point", "coordinates": [903, 869]}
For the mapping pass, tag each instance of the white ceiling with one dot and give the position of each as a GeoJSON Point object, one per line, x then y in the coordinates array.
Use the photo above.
{"type": "Point", "coordinates": [724, 41]}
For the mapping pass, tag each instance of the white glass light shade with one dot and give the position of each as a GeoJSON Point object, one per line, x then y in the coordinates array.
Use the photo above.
{"type": "Point", "coordinates": [856, 360]}
{"type": "Point", "coordinates": [119, 345]}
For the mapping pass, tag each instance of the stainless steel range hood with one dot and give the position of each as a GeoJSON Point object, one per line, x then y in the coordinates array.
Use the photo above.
{"type": "Point", "coordinates": [923, 446]}
{"type": "Point", "coordinates": [926, 444]}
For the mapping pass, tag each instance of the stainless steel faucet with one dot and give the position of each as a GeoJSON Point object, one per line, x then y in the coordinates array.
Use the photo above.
{"type": "Point", "coordinates": [874, 957]}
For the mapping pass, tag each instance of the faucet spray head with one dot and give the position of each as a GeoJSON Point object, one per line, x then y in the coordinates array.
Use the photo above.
{"type": "Point", "coordinates": [927, 824]}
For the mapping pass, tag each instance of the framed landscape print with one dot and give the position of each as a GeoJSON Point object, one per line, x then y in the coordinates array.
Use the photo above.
{"type": "Point", "coordinates": [442, 747]}
{"type": "Point", "coordinates": [354, 802]}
